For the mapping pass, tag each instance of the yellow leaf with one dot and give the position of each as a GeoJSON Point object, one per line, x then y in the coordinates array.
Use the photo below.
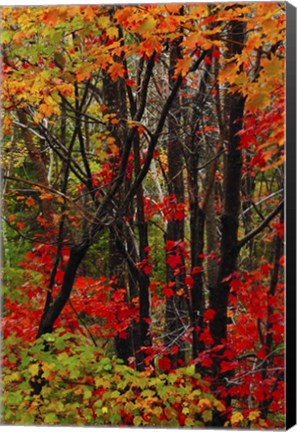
{"type": "Point", "coordinates": [33, 369]}
{"type": "Point", "coordinates": [203, 404]}
{"type": "Point", "coordinates": [258, 100]}
{"type": "Point", "coordinates": [220, 406]}
{"type": "Point", "coordinates": [148, 25]}
{"type": "Point", "coordinates": [236, 417]}
{"type": "Point", "coordinates": [253, 415]}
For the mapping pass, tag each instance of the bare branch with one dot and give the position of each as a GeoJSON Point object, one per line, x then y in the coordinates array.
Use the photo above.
{"type": "Point", "coordinates": [260, 228]}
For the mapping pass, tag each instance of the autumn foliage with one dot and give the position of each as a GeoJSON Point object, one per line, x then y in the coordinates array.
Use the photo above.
{"type": "Point", "coordinates": [143, 161]}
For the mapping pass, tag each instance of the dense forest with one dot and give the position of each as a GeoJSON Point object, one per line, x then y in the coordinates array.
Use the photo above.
{"type": "Point", "coordinates": [143, 183]}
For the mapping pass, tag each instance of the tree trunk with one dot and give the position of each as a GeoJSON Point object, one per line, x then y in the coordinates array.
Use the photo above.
{"type": "Point", "coordinates": [144, 294]}
{"type": "Point", "coordinates": [38, 162]}
{"type": "Point", "coordinates": [52, 313]}
{"type": "Point", "coordinates": [230, 220]}
{"type": "Point", "coordinates": [176, 305]}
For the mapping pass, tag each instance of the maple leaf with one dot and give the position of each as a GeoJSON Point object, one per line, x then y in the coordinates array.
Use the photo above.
{"type": "Point", "coordinates": [130, 82]}
{"type": "Point", "coordinates": [174, 261]}
{"type": "Point", "coordinates": [209, 314]}
{"type": "Point", "coordinates": [182, 66]}
{"type": "Point", "coordinates": [189, 281]}
{"type": "Point", "coordinates": [65, 89]}
{"type": "Point", "coordinates": [196, 269]}
{"type": "Point", "coordinates": [206, 337]}
{"type": "Point", "coordinates": [30, 202]}
{"type": "Point", "coordinates": [174, 349]}
{"type": "Point", "coordinates": [236, 418]}
{"type": "Point", "coordinates": [164, 363]}
{"type": "Point", "coordinates": [236, 284]}
{"type": "Point", "coordinates": [168, 292]}
{"type": "Point", "coordinates": [207, 362]}
{"type": "Point", "coordinates": [204, 404]}
{"type": "Point", "coordinates": [216, 54]}
{"type": "Point", "coordinates": [227, 366]}
{"type": "Point", "coordinates": [253, 415]}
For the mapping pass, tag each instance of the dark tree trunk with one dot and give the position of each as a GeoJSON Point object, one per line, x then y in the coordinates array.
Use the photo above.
{"type": "Point", "coordinates": [52, 313]}
{"type": "Point", "coordinates": [269, 360]}
{"type": "Point", "coordinates": [144, 294]}
{"type": "Point", "coordinates": [197, 221]}
{"type": "Point", "coordinates": [117, 266]}
{"type": "Point", "coordinates": [115, 99]}
{"type": "Point", "coordinates": [197, 218]}
{"type": "Point", "coordinates": [230, 219]}
{"type": "Point", "coordinates": [176, 305]}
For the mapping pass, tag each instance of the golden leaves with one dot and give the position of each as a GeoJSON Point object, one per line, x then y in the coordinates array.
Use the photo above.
{"type": "Point", "coordinates": [204, 404]}
{"type": "Point", "coordinates": [254, 415]}
{"type": "Point", "coordinates": [47, 108]}
{"type": "Point", "coordinates": [147, 25]}
{"type": "Point", "coordinates": [84, 71]}
{"type": "Point", "coordinates": [236, 418]}
{"type": "Point", "coordinates": [65, 89]}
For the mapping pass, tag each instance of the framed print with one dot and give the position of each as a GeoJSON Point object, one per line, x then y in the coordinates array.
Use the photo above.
{"type": "Point", "coordinates": [149, 215]}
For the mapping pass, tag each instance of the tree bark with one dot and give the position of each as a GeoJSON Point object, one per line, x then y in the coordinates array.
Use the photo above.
{"type": "Point", "coordinates": [176, 305]}
{"type": "Point", "coordinates": [230, 220]}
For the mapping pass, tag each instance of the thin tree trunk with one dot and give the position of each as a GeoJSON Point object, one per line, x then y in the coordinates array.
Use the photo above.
{"type": "Point", "coordinates": [38, 162]}
{"type": "Point", "coordinates": [144, 294]}
{"type": "Point", "coordinates": [278, 250]}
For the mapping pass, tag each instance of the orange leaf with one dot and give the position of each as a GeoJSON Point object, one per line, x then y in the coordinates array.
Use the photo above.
{"type": "Point", "coordinates": [30, 202]}
{"type": "Point", "coordinates": [116, 70]}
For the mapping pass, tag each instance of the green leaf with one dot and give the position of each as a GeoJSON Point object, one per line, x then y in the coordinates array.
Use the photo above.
{"type": "Point", "coordinates": [115, 419]}
{"type": "Point", "coordinates": [50, 418]}
{"type": "Point", "coordinates": [60, 344]}
{"type": "Point", "coordinates": [115, 394]}
{"type": "Point", "coordinates": [147, 393]}
{"type": "Point", "coordinates": [137, 421]}
{"type": "Point", "coordinates": [48, 337]}
{"type": "Point", "coordinates": [207, 416]}
{"type": "Point", "coordinates": [107, 367]}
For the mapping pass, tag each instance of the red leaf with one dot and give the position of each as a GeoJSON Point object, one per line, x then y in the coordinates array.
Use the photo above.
{"type": "Point", "coordinates": [207, 362]}
{"type": "Point", "coordinates": [189, 281]}
{"type": "Point", "coordinates": [168, 292]}
{"type": "Point", "coordinates": [174, 349]}
{"type": "Point", "coordinates": [261, 354]}
{"type": "Point", "coordinates": [174, 261]}
{"type": "Point", "coordinates": [170, 244]}
{"type": "Point", "coordinates": [209, 314]}
{"type": "Point", "coordinates": [197, 269]}
{"type": "Point", "coordinates": [206, 337]}
{"type": "Point", "coordinates": [227, 366]}
{"type": "Point", "coordinates": [236, 284]}
{"type": "Point", "coordinates": [164, 363]}
{"type": "Point", "coordinates": [216, 54]}
{"type": "Point", "coordinates": [207, 60]}
{"type": "Point", "coordinates": [130, 82]}
{"type": "Point", "coordinates": [265, 269]}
